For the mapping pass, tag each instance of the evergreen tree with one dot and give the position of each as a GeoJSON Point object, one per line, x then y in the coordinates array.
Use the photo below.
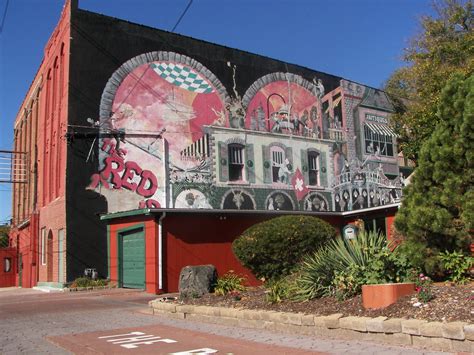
{"type": "Point", "coordinates": [437, 212]}
{"type": "Point", "coordinates": [444, 46]}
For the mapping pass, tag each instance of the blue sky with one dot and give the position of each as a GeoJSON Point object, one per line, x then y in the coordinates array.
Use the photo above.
{"type": "Point", "coordinates": [361, 40]}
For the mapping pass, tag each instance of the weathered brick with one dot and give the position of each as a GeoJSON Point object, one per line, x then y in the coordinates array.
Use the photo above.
{"type": "Point", "coordinates": [463, 345]}
{"type": "Point", "coordinates": [354, 323]}
{"type": "Point", "coordinates": [208, 311]}
{"type": "Point", "coordinates": [431, 329]}
{"type": "Point", "coordinates": [393, 325]}
{"type": "Point", "coordinates": [229, 312]}
{"type": "Point", "coordinates": [469, 331]}
{"type": "Point", "coordinates": [185, 308]}
{"type": "Point", "coordinates": [295, 318]}
{"type": "Point", "coordinates": [332, 321]}
{"type": "Point", "coordinates": [412, 326]}
{"type": "Point", "coordinates": [375, 325]}
{"type": "Point", "coordinates": [163, 306]}
{"type": "Point", "coordinates": [432, 343]}
{"type": "Point", "coordinates": [454, 330]}
{"type": "Point", "coordinates": [307, 320]}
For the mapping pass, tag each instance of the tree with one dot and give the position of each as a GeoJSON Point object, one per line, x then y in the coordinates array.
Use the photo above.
{"type": "Point", "coordinates": [444, 47]}
{"type": "Point", "coordinates": [437, 213]}
{"type": "Point", "coordinates": [4, 230]}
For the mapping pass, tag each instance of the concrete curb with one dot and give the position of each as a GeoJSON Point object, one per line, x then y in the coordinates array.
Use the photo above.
{"type": "Point", "coordinates": [455, 336]}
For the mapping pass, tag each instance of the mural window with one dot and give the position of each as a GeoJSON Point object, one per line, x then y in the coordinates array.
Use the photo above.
{"type": "Point", "coordinates": [313, 168]}
{"type": "Point", "coordinates": [7, 264]}
{"type": "Point", "coordinates": [278, 159]}
{"type": "Point", "coordinates": [236, 162]}
{"type": "Point", "coordinates": [43, 246]}
{"type": "Point", "coordinates": [377, 141]}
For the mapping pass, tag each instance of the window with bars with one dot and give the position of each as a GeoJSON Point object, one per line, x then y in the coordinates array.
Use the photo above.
{"type": "Point", "coordinates": [378, 143]}
{"type": "Point", "coordinates": [278, 158]}
{"type": "Point", "coordinates": [313, 168]}
{"type": "Point", "coordinates": [236, 162]}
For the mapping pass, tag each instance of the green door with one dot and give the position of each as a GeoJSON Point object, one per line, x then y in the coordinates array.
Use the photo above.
{"type": "Point", "coordinates": [132, 257]}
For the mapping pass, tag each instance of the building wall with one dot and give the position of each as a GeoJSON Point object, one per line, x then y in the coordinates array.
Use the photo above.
{"type": "Point", "coordinates": [189, 239]}
{"type": "Point", "coordinates": [40, 127]}
{"type": "Point", "coordinates": [134, 101]}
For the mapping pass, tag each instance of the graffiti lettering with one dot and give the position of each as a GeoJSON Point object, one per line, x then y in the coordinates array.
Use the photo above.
{"type": "Point", "coordinates": [121, 173]}
{"type": "Point", "coordinates": [118, 173]}
{"type": "Point", "coordinates": [150, 203]}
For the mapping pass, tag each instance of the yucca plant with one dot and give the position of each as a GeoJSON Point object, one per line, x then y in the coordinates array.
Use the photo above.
{"type": "Point", "coordinates": [342, 267]}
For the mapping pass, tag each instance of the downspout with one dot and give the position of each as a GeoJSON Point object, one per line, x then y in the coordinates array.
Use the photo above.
{"type": "Point", "coordinates": [160, 251]}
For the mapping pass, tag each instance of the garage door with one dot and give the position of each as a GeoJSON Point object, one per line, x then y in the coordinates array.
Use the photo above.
{"type": "Point", "coordinates": [132, 257]}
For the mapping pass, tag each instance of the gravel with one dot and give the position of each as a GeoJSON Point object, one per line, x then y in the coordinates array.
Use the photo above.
{"type": "Point", "coordinates": [450, 303]}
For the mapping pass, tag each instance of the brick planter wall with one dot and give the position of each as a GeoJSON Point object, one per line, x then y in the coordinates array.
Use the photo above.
{"type": "Point", "coordinates": [455, 336]}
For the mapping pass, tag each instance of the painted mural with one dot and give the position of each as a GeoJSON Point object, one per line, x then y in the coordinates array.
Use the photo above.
{"type": "Point", "coordinates": [175, 137]}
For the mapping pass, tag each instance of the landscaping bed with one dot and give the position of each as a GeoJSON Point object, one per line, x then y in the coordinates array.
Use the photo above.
{"type": "Point", "coordinates": [450, 303]}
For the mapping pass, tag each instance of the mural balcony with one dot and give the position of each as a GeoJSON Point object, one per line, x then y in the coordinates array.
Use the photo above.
{"type": "Point", "coordinates": [335, 134]}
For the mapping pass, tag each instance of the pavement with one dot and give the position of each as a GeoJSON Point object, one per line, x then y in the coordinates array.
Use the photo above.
{"type": "Point", "coordinates": [119, 321]}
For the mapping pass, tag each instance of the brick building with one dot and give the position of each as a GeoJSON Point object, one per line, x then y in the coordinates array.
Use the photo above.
{"type": "Point", "coordinates": [183, 143]}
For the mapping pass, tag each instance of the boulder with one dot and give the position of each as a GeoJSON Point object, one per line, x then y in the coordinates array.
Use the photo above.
{"type": "Point", "coordinates": [195, 281]}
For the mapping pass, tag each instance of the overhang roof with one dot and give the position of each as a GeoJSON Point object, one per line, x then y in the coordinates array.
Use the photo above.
{"type": "Point", "coordinates": [158, 211]}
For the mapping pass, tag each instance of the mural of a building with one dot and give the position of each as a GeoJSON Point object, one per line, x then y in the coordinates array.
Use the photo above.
{"type": "Point", "coordinates": [123, 117]}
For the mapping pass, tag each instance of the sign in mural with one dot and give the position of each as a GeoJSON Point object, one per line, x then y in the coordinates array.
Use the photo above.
{"type": "Point", "coordinates": [279, 146]}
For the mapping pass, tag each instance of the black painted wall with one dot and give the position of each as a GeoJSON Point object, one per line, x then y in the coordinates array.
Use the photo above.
{"type": "Point", "coordinates": [99, 45]}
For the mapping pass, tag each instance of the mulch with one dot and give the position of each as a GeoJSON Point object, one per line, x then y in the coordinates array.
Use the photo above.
{"type": "Point", "coordinates": [450, 303]}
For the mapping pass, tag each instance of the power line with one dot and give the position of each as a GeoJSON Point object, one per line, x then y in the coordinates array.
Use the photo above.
{"type": "Point", "coordinates": [182, 15]}
{"type": "Point", "coordinates": [4, 16]}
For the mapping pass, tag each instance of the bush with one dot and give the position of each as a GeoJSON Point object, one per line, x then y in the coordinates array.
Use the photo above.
{"type": "Point", "coordinates": [423, 288]}
{"type": "Point", "coordinates": [228, 283]}
{"type": "Point", "coordinates": [342, 267]}
{"type": "Point", "coordinates": [282, 289]}
{"type": "Point", "coordinates": [88, 282]}
{"type": "Point", "coordinates": [457, 265]}
{"type": "Point", "coordinates": [273, 248]}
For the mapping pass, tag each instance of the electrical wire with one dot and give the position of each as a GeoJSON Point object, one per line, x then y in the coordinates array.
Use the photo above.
{"type": "Point", "coordinates": [4, 16]}
{"type": "Point", "coordinates": [182, 15]}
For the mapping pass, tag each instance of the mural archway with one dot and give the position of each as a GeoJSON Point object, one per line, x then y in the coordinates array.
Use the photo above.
{"type": "Point", "coordinates": [236, 199]}
{"type": "Point", "coordinates": [284, 103]}
{"type": "Point", "coordinates": [279, 201]}
{"type": "Point", "coordinates": [160, 101]}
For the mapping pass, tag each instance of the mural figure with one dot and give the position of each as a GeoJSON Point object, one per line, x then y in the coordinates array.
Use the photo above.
{"type": "Point", "coordinates": [237, 199]}
{"type": "Point", "coordinates": [192, 198]}
{"type": "Point", "coordinates": [279, 201]}
{"type": "Point", "coordinates": [319, 87]}
{"type": "Point", "coordinates": [315, 202]}
{"type": "Point", "coordinates": [284, 172]}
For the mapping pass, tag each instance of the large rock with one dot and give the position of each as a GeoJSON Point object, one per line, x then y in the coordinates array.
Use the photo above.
{"type": "Point", "coordinates": [194, 281]}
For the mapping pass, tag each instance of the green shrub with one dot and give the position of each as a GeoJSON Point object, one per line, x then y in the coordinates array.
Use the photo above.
{"type": "Point", "coordinates": [82, 282]}
{"type": "Point", "coordinates": [228, 283]}
{"type": "Point", "coordinates": [342, 267]}
{"type": "Point", "coordinates": [100, 282]}
{"type": "Point", "coordinates": [88, 282]}
{"type": "Point", "coordinates": [273, 248]}
{"type": "Point", "coordinates": [282, 289]}
{"type": "Point", "coordinates": [457, 265]}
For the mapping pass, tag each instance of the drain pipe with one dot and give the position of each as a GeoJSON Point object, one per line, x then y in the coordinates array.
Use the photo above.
{"type": "Point", "coordinates": [160, 251]}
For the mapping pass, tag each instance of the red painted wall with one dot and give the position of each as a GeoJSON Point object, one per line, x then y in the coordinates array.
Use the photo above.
{"type": "Point", "coordinates": [40, 126]}
{"type": "Point", "coordinates": [192, 239]}
{"type": "Point", "coordinates": [203, 239]}
{"type": "Point", "coordinates": [151, 248]}
{"type": "Point", "coordinates": [7, 279]}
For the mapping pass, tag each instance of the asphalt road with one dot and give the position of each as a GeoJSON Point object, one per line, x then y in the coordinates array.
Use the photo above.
{"type": "Point", "coordinates": [116, 321]}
